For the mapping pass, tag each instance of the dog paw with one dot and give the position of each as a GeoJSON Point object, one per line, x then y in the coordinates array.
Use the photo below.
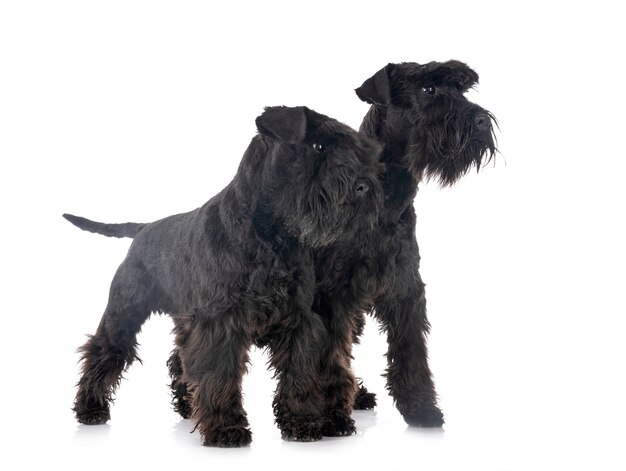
{"type": "Point", "coordinates": [310, 431]}
{"type": "Point", "coordinates": [93, 416]}
{"type": "Point", "coordinates": [364, 400]}
{"type": "Point", "coordinates": [229, 437]}
{"type": "Point", "coordinates": [338, 424]}
{"type": "Point", "coordinates": [429, 416]}
{"type": "Point", "coordinates": [182, 406]}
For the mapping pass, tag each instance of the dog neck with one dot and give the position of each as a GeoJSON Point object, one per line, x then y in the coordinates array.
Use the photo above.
{"type": "Point", "coordinates": [239, 200]}
{"type": "Point", "coordinates": [246, 206]}
{"type": "Point", "coordinates": [399, 181]}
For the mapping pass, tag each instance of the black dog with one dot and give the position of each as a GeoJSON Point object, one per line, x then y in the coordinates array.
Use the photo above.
{"type": "Point", "coordinates": [429, 131]}
{"type": "Point", "coordinates": [240, 270]}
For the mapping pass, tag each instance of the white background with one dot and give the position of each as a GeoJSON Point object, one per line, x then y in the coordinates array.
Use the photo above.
{"type": "Point", "coordinates": [131, 111]}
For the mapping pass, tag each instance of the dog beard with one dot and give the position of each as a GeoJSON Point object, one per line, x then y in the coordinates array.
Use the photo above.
{"type": "Point", "coordinates": [447, 150]}
{"type": "Point", "coordinates": [329, 209]}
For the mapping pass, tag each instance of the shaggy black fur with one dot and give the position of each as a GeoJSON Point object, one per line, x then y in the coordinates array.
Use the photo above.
{"type": "Point", "coordinates": [237, 271]}
{"type": "Point", "coordinates": [429, 130]}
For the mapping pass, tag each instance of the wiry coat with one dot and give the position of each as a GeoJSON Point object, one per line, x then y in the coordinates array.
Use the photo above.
{"type": "Point", "coordinates": [239, 270]}
{"type": "Point", "coordinates": [428, 130]}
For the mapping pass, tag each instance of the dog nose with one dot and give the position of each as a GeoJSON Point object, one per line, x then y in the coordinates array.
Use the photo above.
{"type": "Point", "coordinates": [482, 121]}
{"type": "Point", "coordinates": [361, 188]}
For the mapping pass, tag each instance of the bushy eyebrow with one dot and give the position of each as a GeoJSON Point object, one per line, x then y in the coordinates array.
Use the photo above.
{"type": "Point", "coordinates": [443, 77]}
{"type": "Point", "coordinates": [334, 130]}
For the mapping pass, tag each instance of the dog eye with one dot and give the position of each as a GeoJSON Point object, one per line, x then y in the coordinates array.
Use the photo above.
{"type": "Point", "coordinates": [317, 147]}
{"type": "Point", "coordinates": [429, 90]}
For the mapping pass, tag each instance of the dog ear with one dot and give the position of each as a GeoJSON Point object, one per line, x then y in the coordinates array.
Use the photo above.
{"type": "Point", "coordinates": [377, 88]}
{"type": "Point", "coordinates": [289, 124]}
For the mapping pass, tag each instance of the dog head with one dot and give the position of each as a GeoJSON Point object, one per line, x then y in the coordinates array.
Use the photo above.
{"type": "Point", "coordinates": [424, 106]}
{"type": "Point", "coordinates": [322, 175]}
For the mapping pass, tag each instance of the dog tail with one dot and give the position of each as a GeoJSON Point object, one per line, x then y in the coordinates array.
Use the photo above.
{"type": "Point", "coordinates": [128, 229]}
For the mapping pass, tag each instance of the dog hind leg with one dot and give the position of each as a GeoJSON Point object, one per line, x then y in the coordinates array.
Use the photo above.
{"type": "Point", "coordinates": [181, 396]}
{"type": "Point", "coordinates": [113, 348]}
{"type": "Point", "coordinates": [180, 391]}
{"type": "Point", "coordinates": [364, 400]}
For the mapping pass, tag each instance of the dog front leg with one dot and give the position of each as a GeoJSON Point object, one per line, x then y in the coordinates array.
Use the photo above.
{"type": "Point", "coordinates": [213, 362]}
{"type": "Point", "coordinates": [340, 386]}
{"type": "Point", "coordinates": [409, 379]}
{"type": "Point", "coordinates": [296, 358]}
